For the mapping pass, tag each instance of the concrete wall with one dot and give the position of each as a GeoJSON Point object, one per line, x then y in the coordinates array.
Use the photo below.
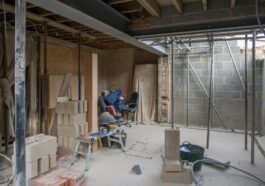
{"type": "Point", "coordinates": [228, 92]}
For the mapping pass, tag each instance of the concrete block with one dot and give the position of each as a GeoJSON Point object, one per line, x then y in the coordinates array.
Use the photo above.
{"type": "Point", "coordinates": [52, 160]}
{"type": "Point", "coordinates": [60, 140]}
{"type": "Point", "coordinates": [66, 118]}
{"type": "Point", "coordinates": [172, 165]}
{"type": "Point", "coordinates": [85, 106]}
{"type": "Point", "coordinates": [177, 177]}
{"type": "Point", "coordinates": [79, 118]}
{"type": "Point", "coordinates": [43, 164]}
{"type": "Point", "coordinates": [68, 131]}
{"type": "Point", "coordinates": [39, 146]}
{"type": "Point", "coordinates": [80, 106]}
{"type": "Point", "coordinates": [71, 107]}
{"type": "Point", "coordinates": [72, 143]}
{"type": "Point", "coordinates": [31, 169]}
{"type": "Point", "coordinates": [172, 140]}
{"type": "Point", "coordinates": [59, 119]}
{"type": "Point", "coordinates": [66, 142]}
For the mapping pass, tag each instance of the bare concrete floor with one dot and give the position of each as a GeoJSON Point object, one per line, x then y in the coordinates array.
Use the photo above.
{"type": "Point", "coordinates": [144, 147]}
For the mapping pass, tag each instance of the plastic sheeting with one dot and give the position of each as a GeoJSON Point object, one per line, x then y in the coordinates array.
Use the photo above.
{"type": "Point", "coordinates": [145, 83]}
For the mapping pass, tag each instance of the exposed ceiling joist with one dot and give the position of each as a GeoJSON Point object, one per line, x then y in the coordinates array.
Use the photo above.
{"type": "Point", "coordinates": [132, 11]}
{"type": "Point", "coordinates": [35, 17]}
{"type": "Point", "coordinates": [232, 3]}
{"type": "Point", "coordinates": [178, 5]}
{"type": "Point", "coordinates": [80, 17]}
{"type": "Point", "coordinates": [151, 6]}
{"type": "Point", "coordinates": [204, 5]}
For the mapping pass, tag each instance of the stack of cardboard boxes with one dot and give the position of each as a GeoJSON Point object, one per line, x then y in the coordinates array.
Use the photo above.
{"type": "Point", "coordinates": [40, 155]}
{"type": "Point", "coordinates": [173, 170]}
{"type": "Point", "coordinates": [71, 123]}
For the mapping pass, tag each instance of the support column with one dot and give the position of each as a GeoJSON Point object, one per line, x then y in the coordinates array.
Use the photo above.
{"type": "Point", "coordinates": [20, 92]}
{"type": "Point", "coordinates": [79, 67]}
{"type": "Point", "coordinates": [253, 96]}
{"type": "Point", "coordinates": [46, 81]}
{"type": "Point", "coordinates": [172, 83]}
{"type": "Point", "coordinates": [211, 103]}
{"type": "Point", "coordinates": [246, 92]}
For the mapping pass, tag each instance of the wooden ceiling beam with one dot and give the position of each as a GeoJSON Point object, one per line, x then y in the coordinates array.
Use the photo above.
{"type": "Point", "coordinates": [232, 3]}
{"type": "Point", "coordinates": [178, 5]}
{"type": "Point", "coordinates": [151, 6]}
{"type": "Point", "coordinates": [204, 5]}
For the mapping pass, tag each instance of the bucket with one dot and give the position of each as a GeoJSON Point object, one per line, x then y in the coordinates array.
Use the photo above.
{"type": "Point", "coordinates": [192, 153]}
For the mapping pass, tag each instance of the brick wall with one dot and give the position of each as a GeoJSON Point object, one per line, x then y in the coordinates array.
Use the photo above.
{"type": "Point", "coordinates": [228, 92]}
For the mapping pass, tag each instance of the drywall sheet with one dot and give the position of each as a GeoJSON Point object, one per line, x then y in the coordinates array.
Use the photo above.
{"type": "Point", "coordinates": [145, 83]}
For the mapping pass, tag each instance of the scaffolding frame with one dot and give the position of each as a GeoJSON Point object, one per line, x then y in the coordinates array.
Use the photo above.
{"type": "Point", "coordinates": [244, 84]}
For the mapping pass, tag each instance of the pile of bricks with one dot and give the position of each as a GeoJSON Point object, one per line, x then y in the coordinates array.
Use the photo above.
{"type": "Point", "coordinates": [40, 154]}
{"type": "Point", "coordinates": [173, 171]}
{"type": "Point", "coordinates": [62, 177]}
{"type": "Point", "coordinates": [71, 123]}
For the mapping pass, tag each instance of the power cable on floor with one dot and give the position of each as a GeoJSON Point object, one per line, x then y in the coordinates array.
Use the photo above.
{"type": "Point", "coordinates": [224, 165]}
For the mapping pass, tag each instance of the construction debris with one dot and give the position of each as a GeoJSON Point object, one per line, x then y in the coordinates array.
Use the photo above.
{"type": "Point", "coordinates": [137, 170]}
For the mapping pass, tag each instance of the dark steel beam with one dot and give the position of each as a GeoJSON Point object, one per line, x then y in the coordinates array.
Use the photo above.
{"type": "Point", "coordinates": [101, 11]}
{"type": "Point", "coordinates": [195, 19]}
{"type": "Point", "coordinates": [80, 17]}
{"type": "Point", "coordinates": [20, 92]}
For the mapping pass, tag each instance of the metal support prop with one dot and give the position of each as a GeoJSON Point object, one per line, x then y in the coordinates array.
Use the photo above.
{"type": "Point", "coordinates": [20, 92]}
{"type": "Point", "coordinates": [45, 89]}
{"type": "Point", "coordinates": [38, 85]}
{"type": "Point", "coordinates": [4, 76]}
{"type": "Point", "coordinates": [206, 93]}
{"type": "Point", "coordinates": [253, 95]}
{"type": "Point", "coordinates": [172, 84]}
{"type": "Point", "coordinates": [246, 92]}
{"type": "Point", "coordinates": [210, 109]}
{"type": "Point", "coordinates": [79, 67]}
{"type": "Point", "coordinates": [188, 84]}
{"type": "Point", "coordinates": [234, 62]}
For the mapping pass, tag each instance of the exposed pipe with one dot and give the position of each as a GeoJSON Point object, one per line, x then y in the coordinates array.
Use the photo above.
{"type": "Point", "coordinates": [246, 93]}
{"type": "Point", "coordinates": [20, 92]}
{"type": "Point", "coordinates": [253, 96]}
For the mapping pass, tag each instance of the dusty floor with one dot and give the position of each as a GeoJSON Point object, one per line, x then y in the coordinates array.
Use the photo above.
{"type": "Point", "coordinates": [112, 167]}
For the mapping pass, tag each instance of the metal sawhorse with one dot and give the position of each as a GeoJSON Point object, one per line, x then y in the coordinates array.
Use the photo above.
{"type": "Point", "coordinates": [88, 139]}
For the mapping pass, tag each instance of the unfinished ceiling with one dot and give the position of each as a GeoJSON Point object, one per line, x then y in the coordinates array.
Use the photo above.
{"type": "Point", "coordinates": [118, 21]}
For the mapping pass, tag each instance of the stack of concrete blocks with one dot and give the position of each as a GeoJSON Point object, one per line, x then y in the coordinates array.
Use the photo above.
{"type": "Point", "coordinates": [40, 155]}
{"type": "Point", "coordinates": [71, 123]}
{"type": "Point", "coordinates": [172, 170]}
